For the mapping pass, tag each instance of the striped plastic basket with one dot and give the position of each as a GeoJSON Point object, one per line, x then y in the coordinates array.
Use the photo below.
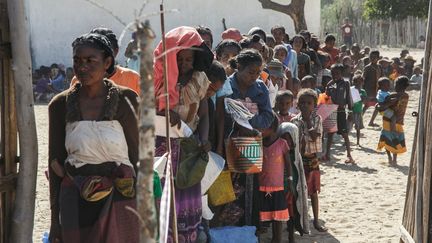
{"type": "Point", "coordinates": [244, 154]}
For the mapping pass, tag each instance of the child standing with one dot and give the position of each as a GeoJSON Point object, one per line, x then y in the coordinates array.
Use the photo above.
{"type": "Point", "coordinates": [284, 102]}
{"type": "Point", "coordinates": [371, 74]}
{"type": "Point", "coordinates": [310, 130]}
{"type": "Point", "coordinates": [358, 106]}
{"type": "Point", "coordinates": [394, 141]}
{"type": "Point", "coordinates": [297, 202]}
{"type": "Point", "coordinates": [272, 201]}
{"type": "Point", "coordinates": [340, 92]}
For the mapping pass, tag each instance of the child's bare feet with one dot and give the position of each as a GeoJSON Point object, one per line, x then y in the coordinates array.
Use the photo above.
{"type": "Point", "coordinates": [349, 160]}
{"type": "Point", "coordinates": [373, 125]}
{"type": "Point", "coordinates": [320, 228]}
{"type": "Point", "coordinates": [325, 158]}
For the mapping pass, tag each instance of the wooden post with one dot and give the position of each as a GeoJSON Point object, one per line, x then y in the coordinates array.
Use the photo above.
{"type": "Point", "coordinates": [8, 129]}
{"type": "Point", "coordinates": [23, 215]}
{"type": "Point", "coordinates": [145, 197]}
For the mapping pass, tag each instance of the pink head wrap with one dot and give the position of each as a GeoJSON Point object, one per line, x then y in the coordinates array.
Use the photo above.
{"type": "Point", "coordinates": [232, 33]}
{"type": "Point", "coordinates": [176, 40]}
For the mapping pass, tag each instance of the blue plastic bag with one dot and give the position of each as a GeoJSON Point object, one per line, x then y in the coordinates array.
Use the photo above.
{"type": "Point", "coordinates": [232, 234]}
{"type": "Point", "coordinates": [45, 238]}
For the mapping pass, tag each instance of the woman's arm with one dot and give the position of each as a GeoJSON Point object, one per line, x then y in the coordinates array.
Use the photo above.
{"type": "Point", "coordinates": [203, 125]}
{"type": "Point", "coordinates": [265, 116]}
{"type": "Point", "coordinates": [220, 124]}
{"type": "Point", "coordinates": [56, 156]}
{"type": "Point", "coordinates": [128, 120]}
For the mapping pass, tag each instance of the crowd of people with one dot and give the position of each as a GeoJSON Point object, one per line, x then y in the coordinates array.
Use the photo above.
{"type": "Point", "coordinates": [291, 95]}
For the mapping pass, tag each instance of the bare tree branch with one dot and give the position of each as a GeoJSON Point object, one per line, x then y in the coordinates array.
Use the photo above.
{"type": "Point", "coordinates": [107, 10]}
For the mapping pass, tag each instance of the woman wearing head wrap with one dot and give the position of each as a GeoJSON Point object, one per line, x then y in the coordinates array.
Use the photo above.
{"type": "Point", "coordinates": [93, 151]}
{"type": "Point", "coordinates": [187, 56]}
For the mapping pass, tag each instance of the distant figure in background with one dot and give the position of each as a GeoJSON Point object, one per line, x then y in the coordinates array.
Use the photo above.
{"type": "Point", "coordinates": [57, 77]}
{"type": "Point", "coordinates": [43, 91]}
{"type": "Point", "coordinates": [417, 78]}
{"type": "Point", "coordinates": [206, 34]}
{"type": "Point", "coordinates": [347, 33]}
{"type": "Point", "coordinates": [134, 56]}
{"type": "Point", "coordinates": [422, 42]}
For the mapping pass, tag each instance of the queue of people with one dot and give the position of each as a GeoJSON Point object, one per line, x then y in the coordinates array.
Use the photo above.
{"type": "Point", "coordinates": [283, 97]}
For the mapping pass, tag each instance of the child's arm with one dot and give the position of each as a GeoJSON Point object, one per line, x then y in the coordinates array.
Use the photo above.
{"type": "Point", "coordinates": [289, 171]}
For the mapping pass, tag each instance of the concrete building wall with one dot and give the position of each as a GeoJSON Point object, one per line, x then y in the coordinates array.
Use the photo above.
{"type": "Point", "coordinates": [55, 24]}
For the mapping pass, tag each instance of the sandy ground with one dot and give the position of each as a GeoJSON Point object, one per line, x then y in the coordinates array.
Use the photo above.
{"type": "Point", "coordinates": [358, 203]}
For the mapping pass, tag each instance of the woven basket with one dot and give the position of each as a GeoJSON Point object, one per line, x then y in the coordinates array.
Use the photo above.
{"type": "Point", "coordinates": [244, 154]}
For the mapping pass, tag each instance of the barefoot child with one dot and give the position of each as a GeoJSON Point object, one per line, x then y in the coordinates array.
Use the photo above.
{"type": "Point", "coordinates": [394, 141]}
{"type": "Point", "coordinates": [310, 130]}
{"type": "Point", "coordinates": [340, 92]}
{"type": "Point", "coordinates": [272, 200]}
{"type": "Point", "coordinates": [284, 102]}
{"type": "Point", "coordinates": [358, 106]}
{"type": "Point", "coordinates": [297, 202]}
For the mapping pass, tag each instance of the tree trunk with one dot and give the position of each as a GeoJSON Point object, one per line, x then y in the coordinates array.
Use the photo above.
{"type": "Point", "coordinates": [23, 216]}
{"type": "Point", "coordinates": [295, 10]}
{"type": "Point", "coordinates": [145, 198]}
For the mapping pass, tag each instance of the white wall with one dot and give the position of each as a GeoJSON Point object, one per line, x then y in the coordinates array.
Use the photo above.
{"type": "Point", "coordinates": [55, 24]}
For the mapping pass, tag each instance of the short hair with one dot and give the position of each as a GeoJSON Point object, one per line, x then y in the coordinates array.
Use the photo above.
{"type": "Point", "coordinates": [108, 33]}
{"type": "Point", "coordinates": [374, 53]}
{"type": "Point", "coordinates": [284, 94]}
{"type": "Point", "coordinates": [308, 93]}
{"type": "Point", "coordinates": [247, 42]}
{"type": "Point", "coordinates": [225, 44]}
{"type": "Point", "coordinates": [357, 77]}
{"type": "Point", "coordinates": [382, 81]}
{"type": "Point", "coordinates": [337, 66]}
{"type": "Point", "coordinates": [403, 81]}
{"type": "Point", "coordinates": [216, 72]}
{"type": "Point", "coordinates": [277, 27]}
{"type": "Point", "coordinates": [247, 57]}
{"type": "Point", "coordinates": [304, 45]}
{"type": "Point", "coordinates": [280, 47]}
{"type": "Point", "coordinates": [329, 38]}
{"type": "Point", "coordinates": [417, 68]}
{"type": "Point", "coordinates": [202, 30]}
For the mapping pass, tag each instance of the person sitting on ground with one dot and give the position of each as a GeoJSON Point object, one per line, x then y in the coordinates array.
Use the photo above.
{"type": "Point", "coordinates": [57, 77]}
{"type": "Point", "coordinates": [42, 90]}
{"type": "Point", "coordinates": [120, 75]}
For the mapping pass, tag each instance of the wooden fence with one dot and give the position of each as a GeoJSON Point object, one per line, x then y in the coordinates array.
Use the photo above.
{"type": "Point", "coordinates": [8, 142]}
{"type": "Point", "coordinates": [389, 32]}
